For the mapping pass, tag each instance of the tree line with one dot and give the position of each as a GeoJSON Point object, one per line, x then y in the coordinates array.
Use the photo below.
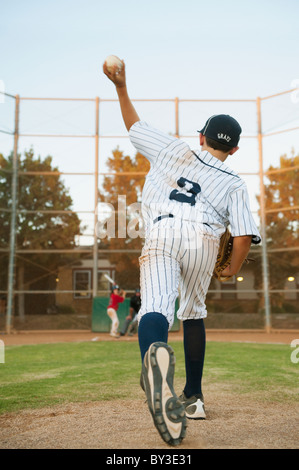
{"type": "Point", "coordinates": [45, 221]}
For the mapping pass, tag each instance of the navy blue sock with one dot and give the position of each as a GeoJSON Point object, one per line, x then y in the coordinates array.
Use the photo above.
{"type": "Point", "coordinates": [194, 347]}
{"type": "Point", "coordinates": [152, 327]}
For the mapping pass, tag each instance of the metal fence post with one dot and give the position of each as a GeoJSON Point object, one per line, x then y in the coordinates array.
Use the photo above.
{"type": "Point", "coordinates": [12, 239]}
{"type": "Point", "coordinates": [96, 184]}
{"type": "Point", "coordinates": [263, 222]}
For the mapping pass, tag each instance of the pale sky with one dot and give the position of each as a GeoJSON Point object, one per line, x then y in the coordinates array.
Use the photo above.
{"type": "Point", "coordinates": [190, 49]}
{"type": "Point", "coordinates": [194, 49]}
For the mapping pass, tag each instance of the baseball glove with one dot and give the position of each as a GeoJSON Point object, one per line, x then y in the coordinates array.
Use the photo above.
{"type": "Point", "coordinates": [224, 255]}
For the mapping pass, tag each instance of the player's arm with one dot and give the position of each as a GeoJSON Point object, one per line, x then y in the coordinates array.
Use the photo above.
{"type": "Point", "coordinates": [128, 111]}
{"type": "Point", "coordinates": [130, 316]}
{"type": "Point", "coordinates": [241, 247]}
{"type": "Point", "coordinates": [122, 294]}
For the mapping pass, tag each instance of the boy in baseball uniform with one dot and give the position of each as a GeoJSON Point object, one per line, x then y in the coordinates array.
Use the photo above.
{"type": "Point", "coordinates": [189, 199]}
{"type": "Point", "coordinates": [117, 297]}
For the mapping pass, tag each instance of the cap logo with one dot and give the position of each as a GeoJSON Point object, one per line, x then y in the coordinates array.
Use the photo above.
{"type": "Point", "coordinates": [224, 137]}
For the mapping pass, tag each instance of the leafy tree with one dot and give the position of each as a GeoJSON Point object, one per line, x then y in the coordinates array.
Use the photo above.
{"type": "Point", "coordinates": [282, 226]}
{"type": "Point", "coordinates": [35, 228]}
{"type": "Point", "coordinates": [124, 185]}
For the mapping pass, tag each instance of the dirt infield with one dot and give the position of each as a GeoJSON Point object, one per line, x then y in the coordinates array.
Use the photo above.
{"type": "Point", "coordinates": [57, 336]}
{"type": "Point", "coordinates": [233, 421]}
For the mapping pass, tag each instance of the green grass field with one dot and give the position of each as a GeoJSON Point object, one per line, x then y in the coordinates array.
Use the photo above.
{"type": "Point", "coordinates": [50, 374]}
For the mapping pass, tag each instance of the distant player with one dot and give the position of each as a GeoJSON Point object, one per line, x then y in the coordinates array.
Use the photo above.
{"type": "Point", "coordinates": [130, 324]}
{"type": "Point", "coordinates": [117, 296]}
{"type": "Point", "coordinates": [189, 198]}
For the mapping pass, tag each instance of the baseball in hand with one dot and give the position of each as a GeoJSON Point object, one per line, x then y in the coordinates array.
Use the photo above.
{"type": "Point", "coordinates": [111, 61]}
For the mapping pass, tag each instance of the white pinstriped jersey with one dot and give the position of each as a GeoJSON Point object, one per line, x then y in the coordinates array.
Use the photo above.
{"type": "Point", "coordinates": [193, 186]}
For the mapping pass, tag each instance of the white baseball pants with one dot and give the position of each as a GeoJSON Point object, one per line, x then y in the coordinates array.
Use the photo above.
{"type": "Point", "coordinates": [178, 259]}
{"type": "Point", "coordinates": [115, 321]}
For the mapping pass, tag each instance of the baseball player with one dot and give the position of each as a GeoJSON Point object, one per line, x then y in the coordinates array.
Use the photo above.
{"type": "Point", "coordinates": [117, 296]}
{"type": "Point", "coordinates": [188, 200]}
{"type": "Point", "coordinates": [130, 323]}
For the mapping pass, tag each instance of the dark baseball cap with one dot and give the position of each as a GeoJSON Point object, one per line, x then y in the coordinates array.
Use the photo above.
{"type": "Point", "coordinates": [223, 129]}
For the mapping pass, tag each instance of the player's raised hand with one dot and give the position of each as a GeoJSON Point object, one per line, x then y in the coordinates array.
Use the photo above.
{"type": "Point", "coordinates": [116, 75]}
{"type": "Point", "coordinates": [115, 70]}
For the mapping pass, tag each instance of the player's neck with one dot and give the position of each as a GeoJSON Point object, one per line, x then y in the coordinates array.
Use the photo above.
{"type": "Point", "coordinates": [216, 153]}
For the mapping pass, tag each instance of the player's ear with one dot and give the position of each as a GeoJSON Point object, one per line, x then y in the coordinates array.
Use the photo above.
{"type": "Point", "coordinates": [201, 139]}
{"type": "Point", "coordinates": [233, 150]}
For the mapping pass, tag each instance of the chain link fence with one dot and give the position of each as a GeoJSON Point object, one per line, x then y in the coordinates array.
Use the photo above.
{"type": "Point", "coordinates": [67, 163]}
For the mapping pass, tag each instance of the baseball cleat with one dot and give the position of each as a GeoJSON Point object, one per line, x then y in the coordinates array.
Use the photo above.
{"type": "Point", "coordinates": [167, 411]}
{"type": "Point", "coordinates": [194, 406]}
{"type": "Point", "coordinates": [115, 335]}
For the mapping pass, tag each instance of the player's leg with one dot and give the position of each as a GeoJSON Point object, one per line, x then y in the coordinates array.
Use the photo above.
{"type": "Point", "coordinates": [125, 326]}
{"type": "Point", "coordinates": [197, 268]}
{"type": "Point", "coordinates": [133, 327]}
{"type": "Point", "coordinates": [167, 410]}
{"type": "Point", "coordinates": [194, 348]}
{"type": "Point", "coordinates": [115, 325]}
{"type": "Point", "coordinates": [115, 322]}
{"type": "Point", "coordinates": [153, 327]}
{"type": "Point", "coordinates": [159, 276]}
{"type": "Point", "coordinates": [159, 281]}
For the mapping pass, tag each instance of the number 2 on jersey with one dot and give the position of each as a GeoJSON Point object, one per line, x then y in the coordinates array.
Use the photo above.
{"type": "Point", "coordinates": [193, 189]}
